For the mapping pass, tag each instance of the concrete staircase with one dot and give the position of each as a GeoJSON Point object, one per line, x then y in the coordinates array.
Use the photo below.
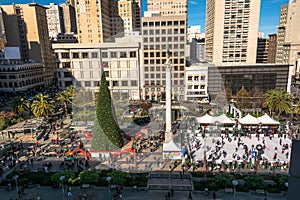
{"type": "Point", "coordinates": [163, 180]}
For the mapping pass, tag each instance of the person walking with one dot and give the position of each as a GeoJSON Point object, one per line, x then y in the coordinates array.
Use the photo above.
{"type": "Point", "coordinates": [214, 195]}
{"type": "Point", "coordinates": [190, 196]}
{"type": "Point", "coordinates": [69, 192]}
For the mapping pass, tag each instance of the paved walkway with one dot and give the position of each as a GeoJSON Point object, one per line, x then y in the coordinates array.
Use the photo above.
{"type": "Point", "coordinates": [103, 193]}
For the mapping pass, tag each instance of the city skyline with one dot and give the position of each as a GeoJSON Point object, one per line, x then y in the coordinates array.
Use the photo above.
{"type": "Point", "coordinates": [269, 14]}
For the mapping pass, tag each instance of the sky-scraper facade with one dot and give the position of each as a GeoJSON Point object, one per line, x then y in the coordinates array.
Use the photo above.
{"type": "Point", "coordinates": [55, 20]}
{"type": "Point", "coordinates": [26, 27]}
{"type": "Point", "coordinates": [232, 30]}
{"type": "Point", "coordinates": [164, 27]}
{"type": "Point", "coordinates": [281, 33]}
{"type": "Point", "coordinates": [168, 7]}
{"type": "Point", "coordinates": [291, 46]}
{"type": "Point", "coordinates": [2, 31]}
{"type": "Point", "coordinates": [69, 17]}
{"type": "Point", "coordinates": [262, 50]}
{"type": "Point", "coordinates": [93, 22]}
{"type": "Point", "coordinates": [99, 21]}
{"type": "Point", "coordinates": [272, 48]}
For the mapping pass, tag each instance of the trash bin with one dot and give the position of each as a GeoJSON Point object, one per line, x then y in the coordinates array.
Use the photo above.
{"type": "Point", "coordinates": [205, 191]}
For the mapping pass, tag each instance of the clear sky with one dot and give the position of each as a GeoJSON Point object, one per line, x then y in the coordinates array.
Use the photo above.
{"type": "Point", "coordinates": [269, 14]}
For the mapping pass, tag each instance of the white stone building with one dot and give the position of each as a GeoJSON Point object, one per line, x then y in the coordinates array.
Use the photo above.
{"type": "Point", "coordinates": [196, 78]}
{"type": "Point", "coordinates": [83, 64]}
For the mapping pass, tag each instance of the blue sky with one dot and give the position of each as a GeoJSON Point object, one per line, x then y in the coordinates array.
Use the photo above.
{"type": "Point", "coordinates": [269, 14]}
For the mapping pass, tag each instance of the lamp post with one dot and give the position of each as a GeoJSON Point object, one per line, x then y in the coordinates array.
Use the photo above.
{"type": "Point", "coordinates": [234, 183]}
{"type": "Point", "coordinates": [16, 179]}
{"type": "Point", "coordinates": [62, 184]}
{"type": "Point", "coordinates": [108, 179]}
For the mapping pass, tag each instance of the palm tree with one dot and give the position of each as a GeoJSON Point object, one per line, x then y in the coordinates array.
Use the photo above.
{"type": "Point", "coordinates": [297, 109]}
{"type": "Point", "coordinates": [70, 91]}
{"type": "Point", "coordinates": [278, 101]}
{"type": "Point", "coordinates": [20, 105]}
{"type": "Point", "coordinates": [64, 98]}
{"type": "Point", "coordinates": [42, 106]}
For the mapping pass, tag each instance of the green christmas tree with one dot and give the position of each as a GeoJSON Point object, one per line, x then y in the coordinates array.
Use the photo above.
{"type": "Point", "coordinates": [107, 134]}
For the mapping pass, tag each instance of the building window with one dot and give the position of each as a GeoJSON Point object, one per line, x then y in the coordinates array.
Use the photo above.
{"type": "Point", "coordinates": [66, 64]}
{"type": "Point", "coordinates": [115, 83]}
{"type": "Point", "coordinates": [104, 55]}
{"type": "Point", "coordinates": [124, 83]}
{"type": "Point", "coordinates": [113, 54]}
{"type": "Point", "coordinates": [132, 54]}
{"type": "Point", "coordinates": [96, 83]}
{"type": "Point", "coordinates": [87, 83]}
{"type": "Point", "coordinates": [133, 83]}
{"type": "Point", "coordinates": [65, 55]}
{"type": "Point", "coordinates": [85, 55]}
{"type": "Point", "coordinates": [123, 54]}
{"type": "Point", "coordinates": [75, 55]}
{"type": "Point", "coordinates": [94, 55]}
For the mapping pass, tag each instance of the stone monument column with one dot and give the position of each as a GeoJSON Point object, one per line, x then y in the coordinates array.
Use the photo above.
{"type": "Point", "coordinates": [168, 133]}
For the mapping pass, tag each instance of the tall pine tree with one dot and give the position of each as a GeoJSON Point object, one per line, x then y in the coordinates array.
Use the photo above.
{"type": "Point", "coordinates": [107, 134]}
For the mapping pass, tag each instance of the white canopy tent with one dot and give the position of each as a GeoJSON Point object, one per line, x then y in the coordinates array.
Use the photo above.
{"type": "Point", "coordinates": [249, 120]}
{"type": "Point", "coordinates": [223, 119]}
{"type": "Point", "coordinates": [267, 120]}
{"type": "Point", "coordinates": [206, 119]}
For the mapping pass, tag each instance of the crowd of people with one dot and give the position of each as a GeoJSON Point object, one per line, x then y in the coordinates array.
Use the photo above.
{"type": "Point", "coordinates": [232, 152]}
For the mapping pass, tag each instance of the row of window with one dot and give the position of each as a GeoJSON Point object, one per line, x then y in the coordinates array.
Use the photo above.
{"type": "Point", "coordinates": [196, 78]}
{"type": "Point", "coordinates": [165, 39]}
{"type": "Point", "coordinates": [10, 76]}
{"type": "Point", "coordinates": [122, 54]}
{"type": "Point", "coordinates": [163, 75]}
{"type": "Point", "coordinates": [172, 47]}
{"type": "Point", "coordinates": [152, 89]}
{"type": "Point", "coordinates": [163, 82]}
{"type": "Point", "coordinates": [164, 31]}
{"type": "Point", "coordinates": [21, 84]}
{"type": "Point", "coordinates": [164, 23]}
{"type": "Point", "coordinates": [163, 68]}
{"type": "Point", "coordinates": [124, 83]}
{"type": "Point", "coordinates": [162, 61]}
{"type": "Point", "coordinates": [196, 87]}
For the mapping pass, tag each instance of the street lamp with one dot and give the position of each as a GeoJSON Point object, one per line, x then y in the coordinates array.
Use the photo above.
{"type": "Point", "coordinates": [108, 179]}
{"type": "Point", "coordinates": [234, 183]}
{"type": "Point", "coordinates": [62, 183]}
{"type": "Point", "coordinates": [16, 179]}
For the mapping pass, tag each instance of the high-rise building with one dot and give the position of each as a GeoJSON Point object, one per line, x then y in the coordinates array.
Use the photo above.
{"type": "Point", "coordinates": [69, 16]}
{"type": "Point", "coordinates": [281, 33]}
{"type": "Point", "coordinates": [93, 21]}
{"type": "Point", "coordinates": [168, 7]}
{"type": "Point", "coordinates": [99, 21]}
{"type": "Point", "coordinates": [129, 12]}
{"type": "Point", "coordinates": [164, 29]}
{"type": "Point", "coordinates": [231, 30]}
{"type": "Point", "coordinates": [291, 45]}
{"type": "Point", "coordinates": [26, 28]}
{"type": "Point", "coordinates": [55, 20]}
{"type": "Point", "coordinates": [159, 34]}
{"type": "Point", "coordinates": [272, 48]}
{"type": "Point", "coordinates": [262, 50]}
{"type": "Point", "coordinates": [2, 32]}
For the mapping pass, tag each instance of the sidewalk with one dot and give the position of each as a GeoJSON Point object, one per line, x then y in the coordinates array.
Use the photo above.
{"type": "Point", "coordinates": [102, 193]}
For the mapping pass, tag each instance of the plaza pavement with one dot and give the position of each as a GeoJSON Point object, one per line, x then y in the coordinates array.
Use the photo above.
{"type": "Point", "coordinates": [229, 147]}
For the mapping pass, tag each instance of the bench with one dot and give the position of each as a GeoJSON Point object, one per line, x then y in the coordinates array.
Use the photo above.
{"type": "Point", "coordinates": [85, 186]}
{"type": "Point", "coordinates": [228, 190]}
{"type": "Point", "coordinates": [260, 191]}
